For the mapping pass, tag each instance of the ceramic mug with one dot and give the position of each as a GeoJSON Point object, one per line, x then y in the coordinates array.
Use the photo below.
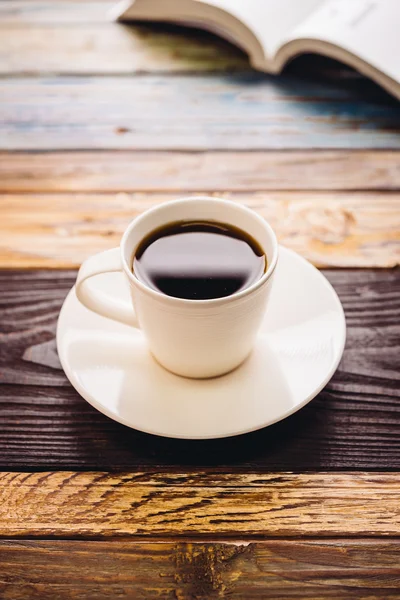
{"type": "Point", "coordinates": [192, 338]}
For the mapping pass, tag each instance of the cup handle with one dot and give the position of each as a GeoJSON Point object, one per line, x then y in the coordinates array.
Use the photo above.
{"type": "Point", "coordinates": [102, 303]}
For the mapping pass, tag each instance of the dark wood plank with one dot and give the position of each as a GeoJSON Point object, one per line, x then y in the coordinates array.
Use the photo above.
{"type": "Point", "coordinates": [330, 229]}
{"type": "Point", "coordinates": [130, 171]}
{"type": "Point", "coordinates": [272, 569]}
{"type": "Point", "coordinates": [73, 504]}
{"type": "Point", "coordinates": [352, 424]}
{"type": "Point", "coordinates": [203, 112]}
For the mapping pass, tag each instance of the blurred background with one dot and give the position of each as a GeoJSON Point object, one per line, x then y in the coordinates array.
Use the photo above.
{"type": "Point", "coordinates": [103, 119]}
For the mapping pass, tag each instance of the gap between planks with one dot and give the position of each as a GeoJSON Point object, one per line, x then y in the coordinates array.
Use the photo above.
{"type": "Point", "coordinates": [166, 504]}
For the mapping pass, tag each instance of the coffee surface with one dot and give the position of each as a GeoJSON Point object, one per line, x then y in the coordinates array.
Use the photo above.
{"type": "Point", "coordinates": [199, 260]}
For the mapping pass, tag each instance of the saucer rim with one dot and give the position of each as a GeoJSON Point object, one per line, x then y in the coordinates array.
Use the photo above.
{"type": "Point", "coordinates": [100, 407]}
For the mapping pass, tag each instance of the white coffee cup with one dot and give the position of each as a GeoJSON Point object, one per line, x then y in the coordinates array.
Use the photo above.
{"type": "Point", "coordinates": [193, 338]}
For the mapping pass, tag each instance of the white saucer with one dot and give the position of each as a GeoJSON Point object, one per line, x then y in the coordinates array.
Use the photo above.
{"type": "Point", "coordinates": [298, 350]}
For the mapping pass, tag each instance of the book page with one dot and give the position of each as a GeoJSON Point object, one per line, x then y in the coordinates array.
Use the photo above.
{"type": "Point", "coordinates": [271, 21]}
{"type": "Point", "coordinates": [369, 29]}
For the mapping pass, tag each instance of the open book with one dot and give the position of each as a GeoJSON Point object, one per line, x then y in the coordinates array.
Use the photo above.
{"type": "Point", "coordinates": [362, 33]}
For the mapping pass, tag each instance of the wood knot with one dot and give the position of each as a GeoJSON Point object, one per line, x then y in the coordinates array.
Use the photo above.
{"type": "Point", "coordinates": [330, 225]}
{"type": "Point", "coordinates": [122, 130]}
{"type": "Point", "coordinates": [205, 570]}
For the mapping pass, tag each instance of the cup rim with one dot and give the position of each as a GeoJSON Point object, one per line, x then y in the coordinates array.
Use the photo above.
{"type": "Point", "coordinates": [210, 301]}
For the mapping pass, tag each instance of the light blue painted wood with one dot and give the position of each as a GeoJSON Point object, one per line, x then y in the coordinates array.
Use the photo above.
{"type": "Point", "coordinates": [195, 112]}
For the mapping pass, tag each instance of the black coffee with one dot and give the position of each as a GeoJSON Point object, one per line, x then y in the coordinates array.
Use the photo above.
{"type": "Point", "coordinates": [199, 260]}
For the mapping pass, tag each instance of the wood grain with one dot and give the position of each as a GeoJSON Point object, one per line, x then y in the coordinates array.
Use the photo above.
{"type": "Point", "coordinates": [352, 424]}
{"type": "Point", "coordinates": [131, 569]}
{"type": "Point", "coordinates": [54, 12]}
{"type": "Point", "coordinates": [335, 230]}
{"type": "Point", "coordinates": [195, 95]}
{"type": "Point", "coordinates": [203, 112]}
{"type": "Point", "coordinates": [112, 48]}
{"type": "Point", "coordinates": [85, 31]}
{"type": "Point", "coordinates": [278, 504]}
{"type": "Point", "coordinates": [82, 34]}
{"type": "Point", "coordinates": [129, 171]}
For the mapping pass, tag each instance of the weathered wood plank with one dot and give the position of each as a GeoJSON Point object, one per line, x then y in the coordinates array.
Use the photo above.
{"type": "Point", "coordinates": [126, 171]}
{"type": "Point", "coordinates": [270, 569]}
{"type": "Point", "coordinates": [112, 48]}
{"type": "Point", "coordinates": [277, 505]}
{"type": "Point", "coordinates": [85, 30]}
{"type": "Point", "coordinates": [205, 112]}
{"type": "Point", "coordinates": [331, 230]}
{"type": "Point", "coordinates": [352, 424]}
{"type": "Point", "coordinates": [54, 12]}
{"type": "Point", "coordinates": [25, 20]}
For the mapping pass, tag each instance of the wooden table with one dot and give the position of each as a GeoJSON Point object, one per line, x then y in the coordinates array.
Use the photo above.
{"type": "Point", "coordinates": [99, 121]}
